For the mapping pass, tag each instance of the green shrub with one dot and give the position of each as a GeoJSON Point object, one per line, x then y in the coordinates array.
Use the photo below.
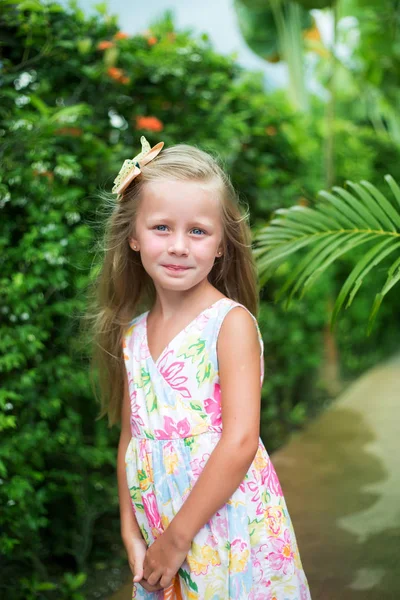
{"type": "Point", "coordinates": [71, 111]}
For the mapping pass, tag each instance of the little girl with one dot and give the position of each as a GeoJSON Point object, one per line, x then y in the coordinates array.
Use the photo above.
{"type": "Point", "coordinates": [202, 512]}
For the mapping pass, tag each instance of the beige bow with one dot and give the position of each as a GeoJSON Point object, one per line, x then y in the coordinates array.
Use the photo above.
{"type": "Point", "coordinates": [132, 167]}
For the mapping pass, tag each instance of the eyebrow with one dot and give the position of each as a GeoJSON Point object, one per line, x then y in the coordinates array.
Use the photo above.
{"type": "Point", "coordinates": [194, 223]}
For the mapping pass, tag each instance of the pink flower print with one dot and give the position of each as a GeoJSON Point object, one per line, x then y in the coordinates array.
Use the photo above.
{"type": "Point", "coordinates": [221, 525]}
{"type": "Point", "coordinates": [197, 465]}
{"type": "Point", "coordinates": [274, 516]}
{"type": "Point", "coordinates": [173, 430]}
{"type": "Point", "coordinates": [269, 476]}
{"type": "Point", "coordinates": [258, 576]}
{"type": "Point", "coordinates": [136, 419]}
{"type": "Point", "coordinates": [142, 347]}
{"type": "Point", "coordinates": [304, 592]}
{"type": "Point", "coordinates": [281, 559]}
{"type": "Point", "coordinates": [171, 375]}
{"type": "Point", "coordinates": [144, 351]}
{"type": "Point", "coordinates": [212, 406]}
{"type": "Point", "coordinates": [202, 320]}
{"type": "Point", "coordinates": [259, 560]}
{"type": "Point", "coordinates": [253, 487]}
{"type": "Point", "coordinates": [143, 449]}
{"type": "Point", "coordinates": [257, 595]}
{"type": "Point", "coordinates": [151, 510]}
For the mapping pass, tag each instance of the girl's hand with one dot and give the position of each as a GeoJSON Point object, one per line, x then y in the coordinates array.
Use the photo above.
{"type": "Point", "coordinates": [163, 559]}
{"type": "Point", "coordinates": [136, 549]}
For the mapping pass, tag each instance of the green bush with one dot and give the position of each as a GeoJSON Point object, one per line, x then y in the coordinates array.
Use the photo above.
{"type": "Point", "coordinates": [76, 95]}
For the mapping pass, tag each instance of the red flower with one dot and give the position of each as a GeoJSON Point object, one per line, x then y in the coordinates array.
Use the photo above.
{"type": "Point", "coordinates": [118, 75]}
{"type": "Point", "coordinates": [152, 40]}
{"type": "Point", "coordinates": [120, 35]}
{"type": "Point", "coordinates": [74, 131]}
{"type": "Point", "coordinates": [149, 123]}
{"type": "Point", "coordinates": [104, 45]}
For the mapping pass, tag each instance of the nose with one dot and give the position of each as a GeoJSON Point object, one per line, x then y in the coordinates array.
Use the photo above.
{"type": "Point", "coordinates": [178, 245]}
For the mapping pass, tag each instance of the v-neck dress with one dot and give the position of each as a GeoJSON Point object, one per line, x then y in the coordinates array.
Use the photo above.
{"type": "Point", "coordinates": [248, 549]}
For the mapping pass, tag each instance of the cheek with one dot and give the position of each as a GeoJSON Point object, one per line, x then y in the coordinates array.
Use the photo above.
{"type": "Point", "coordinates": [205, 251]}
{"type": "Point", "coordinates": [152, 245]}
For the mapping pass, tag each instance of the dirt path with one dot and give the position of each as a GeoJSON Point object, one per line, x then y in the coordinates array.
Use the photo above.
{"type": "Point", "coordinates": [341, 480]}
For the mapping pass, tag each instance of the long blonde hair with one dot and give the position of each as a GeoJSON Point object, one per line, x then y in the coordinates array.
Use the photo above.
{"type": "Point", "coordinates": [123, 289]}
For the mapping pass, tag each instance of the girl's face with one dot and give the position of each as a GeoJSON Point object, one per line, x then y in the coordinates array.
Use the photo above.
{"type": "Point", "coordinates": [178, 232]}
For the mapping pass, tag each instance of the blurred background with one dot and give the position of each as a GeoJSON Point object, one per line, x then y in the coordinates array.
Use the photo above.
{"type": "Point", "coordinates": [295, 97]}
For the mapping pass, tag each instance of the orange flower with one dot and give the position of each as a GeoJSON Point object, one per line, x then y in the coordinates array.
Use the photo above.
{"type": "Point", "coordinates": [302, 201]}
{"type": "Point", "coordinates": [115, 73]}
{"type": "Point", "coordinates": [118, 75]}
{"type": "Point", "coordinates": [74, 131]}
{"type": "Point", "coordinates": [48, 174]}
{"type": "Point", "coordinates": [104, 45]}
{"type": "Point", "coordinates": [120, 35]}
{"type": "Point", "coordinates": [149, 123]}
{"type": "Point", "coordinates": [312, 34]}
{"type": "Point", "coordinates": [152, 40]}
{"type": "Point", "coordinates": [271, 130]}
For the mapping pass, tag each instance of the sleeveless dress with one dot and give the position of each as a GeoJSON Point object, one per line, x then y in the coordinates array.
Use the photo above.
{"type": "Point", "coordinates": [248, 550]}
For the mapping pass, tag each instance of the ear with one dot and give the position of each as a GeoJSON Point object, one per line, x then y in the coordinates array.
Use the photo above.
{"type": "Point", "coordinates": [134, 244]}
{"type": "Point", "coordinates": [219, 253]}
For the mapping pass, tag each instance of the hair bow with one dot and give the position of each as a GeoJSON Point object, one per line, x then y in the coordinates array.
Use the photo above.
{"type": "Point", "coordinates": [132, 167]}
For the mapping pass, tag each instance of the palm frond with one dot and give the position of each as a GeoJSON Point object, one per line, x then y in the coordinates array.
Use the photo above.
{"type": "Point", "coordinates": [343, 220]}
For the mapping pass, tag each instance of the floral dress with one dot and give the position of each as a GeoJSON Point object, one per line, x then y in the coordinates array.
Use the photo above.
{"type": "Point", "coordinates": [248, 550]}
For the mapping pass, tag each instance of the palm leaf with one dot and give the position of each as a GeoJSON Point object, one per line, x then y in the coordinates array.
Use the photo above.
{"type": "Point", "coordinates": [343, 220]}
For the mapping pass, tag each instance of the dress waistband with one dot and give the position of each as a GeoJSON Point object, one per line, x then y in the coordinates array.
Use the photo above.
{"type": "Point", "coordinates": [216, 430]}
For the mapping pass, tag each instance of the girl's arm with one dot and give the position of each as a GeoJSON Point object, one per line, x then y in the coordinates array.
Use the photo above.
{"type": "Point", "coordinates": [240, 374]}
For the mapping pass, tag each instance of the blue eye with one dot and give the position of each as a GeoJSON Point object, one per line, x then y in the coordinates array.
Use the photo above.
{"type": "Point", "coordinates": [197, 229]}
{"type": "Point", "coordinates": [157, 227]}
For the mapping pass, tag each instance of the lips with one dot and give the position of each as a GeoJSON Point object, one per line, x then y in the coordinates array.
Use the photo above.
{"type": "Point", "coordinates": [176, 267]}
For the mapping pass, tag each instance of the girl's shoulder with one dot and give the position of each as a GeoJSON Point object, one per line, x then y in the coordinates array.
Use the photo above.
{"type": "Point", "coordinates": [226, 306]}
{"type": "Point", "coordinates": [134, 323]}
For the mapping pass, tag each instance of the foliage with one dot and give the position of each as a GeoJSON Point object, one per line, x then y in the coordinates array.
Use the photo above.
{"type": "Point", "coordinates": [259, 29]}
{"type": "Point", "coordinates": [345, 221]}
{"type": "Point", "coordinates": [76, 95]}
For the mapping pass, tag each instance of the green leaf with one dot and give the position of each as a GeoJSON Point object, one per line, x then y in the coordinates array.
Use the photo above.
{"type": "Point", "coordinates": [189, 581]}
{"type": "Point", "coordinates": [354, 222]}
{"type": "Point", "coordinates": [361, 269]}
{"type": "Point", "coordinates": [373, 206]}
{"type": "Point", "coordinates": [394, 187]}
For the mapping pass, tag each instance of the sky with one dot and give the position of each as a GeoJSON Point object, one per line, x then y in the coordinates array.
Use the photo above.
{"type": "Point", "coordinates": [215, 17]}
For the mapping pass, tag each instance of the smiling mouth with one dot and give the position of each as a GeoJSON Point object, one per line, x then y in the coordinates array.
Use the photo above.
{"type": "Point", "coordinates": [175, 267]}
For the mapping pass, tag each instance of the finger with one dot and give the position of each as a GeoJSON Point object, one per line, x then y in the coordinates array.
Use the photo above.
{"type": "Point", "coordinates": [154, 577]}
{"type": "Point", "coordinates": [148, 587]}
{"type": "Point", "coordinates": [137, 571]}
{"type": "Point", "coordinates": [146, 568]}
{"type": "Point", "coordinates": [165, 581]}
{"type": "Point", "coordinates": [138, 574]}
